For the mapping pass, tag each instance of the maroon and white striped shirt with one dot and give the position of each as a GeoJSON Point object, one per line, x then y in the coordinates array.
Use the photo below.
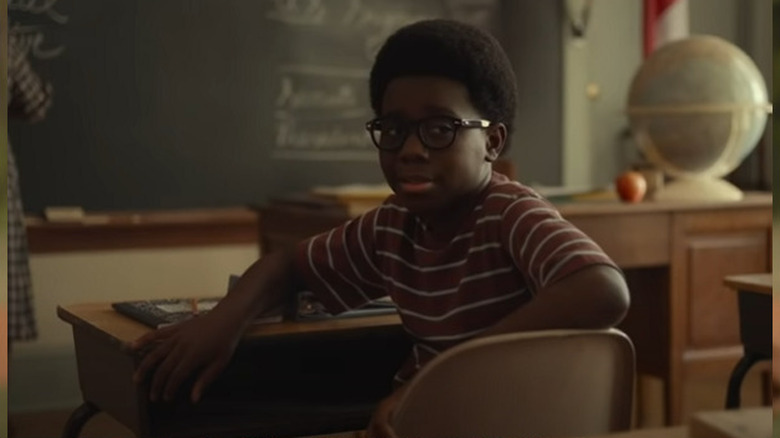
{"type": "Point", "coordinates": [513, 244]}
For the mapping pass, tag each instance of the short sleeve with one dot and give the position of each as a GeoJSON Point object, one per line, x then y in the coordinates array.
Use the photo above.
{"type": "Point", "coordinates": [339, 267]}
{"type": "Point", "coordinates": [544, 246]}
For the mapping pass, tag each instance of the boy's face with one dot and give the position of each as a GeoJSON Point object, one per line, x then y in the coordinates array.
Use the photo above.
{"type": "Point", "coordinates": [431, 181]}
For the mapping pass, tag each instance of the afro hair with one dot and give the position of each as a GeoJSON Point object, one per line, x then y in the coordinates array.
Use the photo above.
{"type": "Point", "coordinates": [453, 50]}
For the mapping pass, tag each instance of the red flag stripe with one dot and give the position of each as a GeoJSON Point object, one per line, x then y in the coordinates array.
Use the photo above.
{"type": "Point", "coordinates": [654, 12]}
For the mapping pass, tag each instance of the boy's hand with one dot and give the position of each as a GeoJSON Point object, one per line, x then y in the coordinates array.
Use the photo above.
{"type": "Point", "coordinates": [381, 425]}
{"type": "Point", "coordinates": [201, 345]}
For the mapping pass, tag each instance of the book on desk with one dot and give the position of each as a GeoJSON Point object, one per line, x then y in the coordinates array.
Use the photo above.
{"type": "Point", "coordinates": [158, 313]}
{"type": "Point", "coordinates": [356, 199]}
{"type": "Point", "coordinates": [309, 308]}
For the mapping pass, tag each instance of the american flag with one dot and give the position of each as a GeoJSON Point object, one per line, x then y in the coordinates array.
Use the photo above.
{"type": "Point", "coordinates": [664, 21]}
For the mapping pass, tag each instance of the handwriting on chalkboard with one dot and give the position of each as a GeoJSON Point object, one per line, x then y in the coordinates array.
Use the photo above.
{"type": "Point", "coordinates": [377, 25]}
{"type": "Point", "coordinates": [321, 105]}
{"type": "Point", "coordinates": [30, 39]}
{"type": "Point", "coordinates": [45, 7]}
{"type": "Point", "coordinates": [320, 111]}
{"type": "Point", "coordinates": [370, 25]}
{"type": "Point", "coordinates": [339, 91]}
{"type": "Point", "coordinates": [300, 12]}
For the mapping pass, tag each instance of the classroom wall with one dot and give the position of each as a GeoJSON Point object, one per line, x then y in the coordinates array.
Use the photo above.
{"type": "Point", "coordinates": [615, 48]}
{"type": "Point", "coordinates": [532, 40]}
{"type": "Point", "coordinates": [44, 371]}
{"type": "Point", "coordinates": [127, 108]}
{"type": "Point", "coordinates": [614, 45]}
{"type": "Point", "coordinates": [182, 104]}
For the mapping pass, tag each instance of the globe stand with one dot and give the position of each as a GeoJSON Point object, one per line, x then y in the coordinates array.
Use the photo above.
{"type": "Point", "coordinates": [697, 189]}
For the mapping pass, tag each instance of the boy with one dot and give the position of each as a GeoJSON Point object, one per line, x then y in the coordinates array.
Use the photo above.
{"type": "Point", "coordinates": [461, 250]}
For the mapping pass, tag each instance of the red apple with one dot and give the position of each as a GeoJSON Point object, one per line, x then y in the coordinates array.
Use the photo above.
{"type": "Point", "coordinates": [631, 186]}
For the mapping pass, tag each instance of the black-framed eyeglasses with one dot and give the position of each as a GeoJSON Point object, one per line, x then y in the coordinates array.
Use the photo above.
{"type": "Point", "coordinates": [435, 132]}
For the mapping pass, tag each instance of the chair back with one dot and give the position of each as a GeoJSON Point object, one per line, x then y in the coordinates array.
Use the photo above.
{"type": "Point", "coordinates": [542, 384]}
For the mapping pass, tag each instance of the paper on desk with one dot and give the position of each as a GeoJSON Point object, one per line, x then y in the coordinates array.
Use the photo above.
{"type": "Point", "coordinates": [736, 423]}
{"type": "Point", "coordinates": [354, 191]}
{"type": "Point", "coordinates": [578, 193]}
{"type": "Point", "coordinates": [357, 198]}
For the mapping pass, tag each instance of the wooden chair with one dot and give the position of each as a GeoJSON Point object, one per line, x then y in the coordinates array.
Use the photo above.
{"type": "Point", "coordinates": [557, 383]}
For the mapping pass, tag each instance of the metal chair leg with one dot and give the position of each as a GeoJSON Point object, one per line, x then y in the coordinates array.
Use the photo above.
{"type": "Point", "coordinates": [78, 419]}
{"type": "Point", "coordinates": [735, 381]}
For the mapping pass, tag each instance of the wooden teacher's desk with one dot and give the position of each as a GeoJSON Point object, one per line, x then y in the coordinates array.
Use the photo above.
{"type": "Point", "coordinates": [675, 256]}
{"type": "Point", "coordinates": [286, 379]}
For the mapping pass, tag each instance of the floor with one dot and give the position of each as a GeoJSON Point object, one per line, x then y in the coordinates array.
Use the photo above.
{"type": "Point", "coordinates": [706, 393]}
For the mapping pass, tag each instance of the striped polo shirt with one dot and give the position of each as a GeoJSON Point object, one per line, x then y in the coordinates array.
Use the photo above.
{"type": "Point", "coordinates": [513, 244]}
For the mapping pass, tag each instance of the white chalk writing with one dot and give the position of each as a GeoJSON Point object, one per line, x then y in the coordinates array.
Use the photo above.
{"type": "Point", "coordinates": [292, 96]}
{"type": "Point", "coordinates": [374, 25]}
{"type": "Point", "coordinates": [299, 12]}
{"type": "Point", "coordinates": [31, 40]}
{"type": "Point", "coordinates": [322, 104]}
{"type": "Point", "coordinates": [321, 109]}
{"type": "Point", "coordinates": [45, 7]}
{"type": "Point", "coordinates": [293, 136]}
{"type": "Point", "coordinates": [377, 25]}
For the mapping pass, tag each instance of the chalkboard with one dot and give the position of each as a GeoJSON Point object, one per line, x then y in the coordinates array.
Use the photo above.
{"type": "Point", "coordinates": [197, 104]}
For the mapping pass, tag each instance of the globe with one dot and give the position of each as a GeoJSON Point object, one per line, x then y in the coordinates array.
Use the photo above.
{"type": "Point", "coordinates": [697, 107]}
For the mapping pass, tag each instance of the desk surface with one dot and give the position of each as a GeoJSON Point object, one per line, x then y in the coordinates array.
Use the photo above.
{"type": "Point", "coordinates": [585, 208]}
{"type": "Point", "coordinates": [666, 432]}
{"type": "Point", "coordinates": [742, 423]}
{"type": "Point", "coordinates": [122, 329]}
{"type": "Point", "coordinates": [760, 283]}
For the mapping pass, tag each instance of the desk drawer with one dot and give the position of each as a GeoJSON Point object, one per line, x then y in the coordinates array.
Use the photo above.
{"type": "Point", "coordinates": [710, 246]}
{"type": "Point", "coordinates": [712, 307]}
{"type": "Point", "coordinates": [632, 240]}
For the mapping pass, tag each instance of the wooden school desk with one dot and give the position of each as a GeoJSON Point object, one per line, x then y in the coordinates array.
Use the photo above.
{"type": "Point", "coordinates": [740, 423]}
{"type": "Point", "coordinates": [675, 255]}
{"type": "Point", "coordinates": [287, 379]}
{"type": "Point", "coordinates": [666, 432]}
{"type": "Point", "coordinates": [755, 327]}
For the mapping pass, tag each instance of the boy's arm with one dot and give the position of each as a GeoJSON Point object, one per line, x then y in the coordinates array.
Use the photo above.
{"type": "Point", "coordinates": [574, 283]}
{"type": "Point", "coordinates": [205, 344]}
{"type": "Point", "coordinates": [592, 297]}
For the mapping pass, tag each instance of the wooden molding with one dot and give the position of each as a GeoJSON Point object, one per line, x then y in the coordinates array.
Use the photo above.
{"type": "Point", "coordinates": [144, 229]}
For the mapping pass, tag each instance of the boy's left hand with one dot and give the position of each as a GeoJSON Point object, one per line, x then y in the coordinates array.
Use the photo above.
{"type": "Point", "coordinates": [380, 425]}
{"type": "Point", "coordinates": [200, 347]}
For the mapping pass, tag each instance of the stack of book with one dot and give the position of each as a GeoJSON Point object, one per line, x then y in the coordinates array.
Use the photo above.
{"type": "Point", "coordinates": [355, 198]}
{"type": "Point", "coordinates": [310, 309]}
